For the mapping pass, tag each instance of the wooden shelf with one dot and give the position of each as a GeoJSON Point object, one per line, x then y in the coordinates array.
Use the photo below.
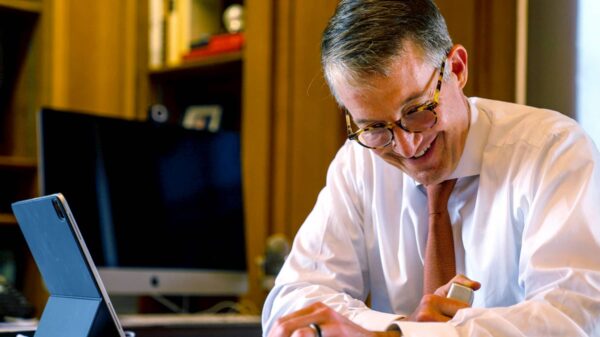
{"type": "Point", "coordinates": [207, 62]}
{"type": "Point", "coordinates": [18, 163]}
{"type": "Point", "coordinates": [7, 219]}
{"type": "Point", "coordinates": [22, 5]}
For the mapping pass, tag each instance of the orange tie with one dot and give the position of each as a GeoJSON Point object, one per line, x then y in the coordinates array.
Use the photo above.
{"type": "Point", "coordinates": [440, 266]}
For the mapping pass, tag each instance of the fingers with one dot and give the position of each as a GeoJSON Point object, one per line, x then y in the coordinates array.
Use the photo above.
{"type": "Point", "coordinates": [297, 323]}
{"type": "Point", "coordinates": [460, 279]}
{"type": "Point", "coordinates": [317, 329]}
{"type": "Point", "coordinates": [331, 324]}
{"type": "Point", "coordinates": [305, 331]}
{"type": "Point", "coordinates": [434, 308]}
{"type": "Point", "coordinates": [304, 311]}
{"type": "Point", "coordinates": [449, 306]}
{"type": "Point", "coordinates": [310, 314]}
{"type": "Point", "coordinates": [467, 282]}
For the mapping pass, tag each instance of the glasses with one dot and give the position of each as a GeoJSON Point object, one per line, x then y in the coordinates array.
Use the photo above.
{"type": "Point", "coordinates": [379, 135]}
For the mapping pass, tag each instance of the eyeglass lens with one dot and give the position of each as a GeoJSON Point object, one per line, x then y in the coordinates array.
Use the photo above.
{"type": "Point", "coordinates": [382, 136]}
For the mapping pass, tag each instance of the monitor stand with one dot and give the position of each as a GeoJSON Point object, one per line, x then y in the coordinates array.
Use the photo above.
{"type": "Point", "coordinates": [125, 304]}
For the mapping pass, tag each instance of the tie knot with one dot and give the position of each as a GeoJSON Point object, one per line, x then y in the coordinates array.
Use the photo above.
{"type": "Point", "coordinates": [438, 195]}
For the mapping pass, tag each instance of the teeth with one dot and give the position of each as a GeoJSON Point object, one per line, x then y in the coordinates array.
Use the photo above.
{"type": "Point", "coordinates": [420, 154]}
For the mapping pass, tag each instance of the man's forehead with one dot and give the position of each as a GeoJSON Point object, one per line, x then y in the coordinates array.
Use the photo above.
{"type": "Point", "coordinates": [405, 81]}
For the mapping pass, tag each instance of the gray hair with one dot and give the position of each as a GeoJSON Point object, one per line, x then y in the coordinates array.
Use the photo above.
{"type": "Point", "coordinates": [363, 36]}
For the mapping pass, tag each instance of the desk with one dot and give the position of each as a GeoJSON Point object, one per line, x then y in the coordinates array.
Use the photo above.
{"type": "Point", "coordinates": [190, 325]}
{"type": "Point", "coordinates": [4, 333]}
{"type": "Point", "coordinates": [12, 329]}
{"type": "Point", "coordinates": [172, 325]}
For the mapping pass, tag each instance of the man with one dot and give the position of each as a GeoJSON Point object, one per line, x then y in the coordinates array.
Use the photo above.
{"type": "Point", "coordinates": [523, 187]}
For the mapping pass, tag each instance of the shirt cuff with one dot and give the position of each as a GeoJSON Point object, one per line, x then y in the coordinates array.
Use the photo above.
{"type": "Point", "coordinates": [375, 320]}
{"type": "Point", "coordinates": [423, 329]}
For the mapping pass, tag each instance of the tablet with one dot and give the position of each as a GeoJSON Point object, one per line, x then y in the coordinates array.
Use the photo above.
{"type": "Point", "coordinates": [78, 305]}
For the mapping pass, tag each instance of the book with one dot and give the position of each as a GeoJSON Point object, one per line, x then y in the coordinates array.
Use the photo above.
{"type": "Point", "coordinates": [156, 37]}
{"type": "Point", "coordinates": [184, 14]}
{"type": "Point", "coordinates": [173, 50]}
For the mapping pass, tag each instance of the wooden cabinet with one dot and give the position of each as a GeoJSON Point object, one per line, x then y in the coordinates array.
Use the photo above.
{"type": "Point", "coordinates": [90, 56]}
{"type": "Point", "coordinates": [19, 100]}
{"type": "Point", "coordinates": [488, 30]}
{"type": "Point", "coordinates": [239, 82]}
{"type": "Point", "coordinates": [67, 54]}
{"type": "Point", "coordinates": [20, 97]}
{"type": "Point", "coordinates": [290, 125]}
{"type": "Point", "coordinates": [308, 126]}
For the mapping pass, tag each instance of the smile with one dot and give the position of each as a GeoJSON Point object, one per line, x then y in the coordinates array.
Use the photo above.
{"type": "Point", "coordinates": [422, 153]}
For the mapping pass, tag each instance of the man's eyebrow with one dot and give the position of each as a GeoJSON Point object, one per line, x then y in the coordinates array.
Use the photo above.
{"type": "Point", "coordinates": [426, 92]}
{"type": "Point", "coordinates": [359, 121]}
{"type": "Point", "coordinates": [413, 97]}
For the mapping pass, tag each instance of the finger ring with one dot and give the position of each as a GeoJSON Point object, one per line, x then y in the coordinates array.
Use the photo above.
{"type": "Point", "coordinates": [316, 328]}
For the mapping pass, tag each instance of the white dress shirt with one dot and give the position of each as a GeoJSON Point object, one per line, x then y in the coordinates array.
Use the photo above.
{"type": "Point", "coordinates": [525, 214]}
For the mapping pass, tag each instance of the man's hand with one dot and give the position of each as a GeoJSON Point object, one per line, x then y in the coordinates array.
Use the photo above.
{"type": "Point", "coordinates": [332, 324]}
{"type": "Point", "coordinates": [438, 308]}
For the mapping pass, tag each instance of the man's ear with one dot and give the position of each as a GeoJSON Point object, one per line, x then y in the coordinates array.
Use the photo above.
{"type": "Point", "coordinates": [457, 58]}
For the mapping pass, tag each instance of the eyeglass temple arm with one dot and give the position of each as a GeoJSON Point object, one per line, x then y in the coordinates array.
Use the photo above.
{"type": "Point", "coordinates": [351, 134]}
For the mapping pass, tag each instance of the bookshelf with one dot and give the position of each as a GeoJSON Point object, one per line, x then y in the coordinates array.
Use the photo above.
{"type": "Point", "coordinates": [289, 125]}
{"type": "Point", "coordinates": [176, 79]}
{"type": "Point", "coordinates": [20, 97]}
{"type": "Point", "coordinates": [215, 79]}
{"type": "Point", "coordinates": [31, 6]}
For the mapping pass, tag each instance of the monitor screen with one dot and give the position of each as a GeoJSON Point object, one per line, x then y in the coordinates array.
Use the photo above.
{"type": "Point", "coordinates": [159, 206]}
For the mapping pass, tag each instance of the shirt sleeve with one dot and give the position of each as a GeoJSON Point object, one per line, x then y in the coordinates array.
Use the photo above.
{"type": "Point", "coordinates": [327, 262]}
{"type": "Point", "coordinates": [559, 265]}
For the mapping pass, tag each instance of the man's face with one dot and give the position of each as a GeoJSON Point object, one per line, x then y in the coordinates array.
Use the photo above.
{"type": "Point", "coordinates": [430, 156]}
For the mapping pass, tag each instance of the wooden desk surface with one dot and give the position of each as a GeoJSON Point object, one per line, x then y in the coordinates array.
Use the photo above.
{"type": "Point", "coordinates": [174, 325]}
{"type": "Point", "coordinates": [192, 325]}
{"type": "Point", "coordinates": [205, 331]}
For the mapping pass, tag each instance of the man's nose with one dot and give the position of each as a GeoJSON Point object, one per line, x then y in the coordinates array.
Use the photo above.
{"type": "Point", "coordinates": [406, 143]}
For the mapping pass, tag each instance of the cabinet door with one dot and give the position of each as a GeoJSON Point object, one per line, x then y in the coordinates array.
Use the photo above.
{"type": "Point", "coordinates": [488, 30]}
{"type": "Point", "coordinates": [91, 55]}
{"type": "Point", "coordinates": [291, 127]}
{"type": "Point", "coordinates": [308, 127]}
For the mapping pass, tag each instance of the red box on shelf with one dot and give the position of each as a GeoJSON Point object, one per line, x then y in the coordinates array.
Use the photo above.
{"type": "Point", "coordinates": [218, 44]}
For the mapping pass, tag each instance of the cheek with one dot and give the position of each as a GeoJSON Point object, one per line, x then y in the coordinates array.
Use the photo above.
{"type": "Point", "coordinates": [386, 153]}
{"type": "Point", "coordinates": [453, 115]}
{"type": "Point", "coordinates": [389, 156]}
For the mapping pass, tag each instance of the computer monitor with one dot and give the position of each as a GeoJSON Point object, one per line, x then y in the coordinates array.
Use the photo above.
{"type": "Point", "coordinates": [159, 206]}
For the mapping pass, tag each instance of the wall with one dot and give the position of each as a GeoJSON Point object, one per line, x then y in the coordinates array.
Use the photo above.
{"type": "Point", "coordinates": [551, 55]}
{"type": "Point", "coordinates": [588, 67]}
{"type": "Point", "coordinates": [487, 29]}
{"type": "Point", "coordinates": [308, 128]}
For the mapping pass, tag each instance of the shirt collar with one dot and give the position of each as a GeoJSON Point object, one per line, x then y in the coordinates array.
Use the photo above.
{"type": "Point", "coordinates": [470, 161]}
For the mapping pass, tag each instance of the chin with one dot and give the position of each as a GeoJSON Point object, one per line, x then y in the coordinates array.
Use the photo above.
{"type": "Point", "coordinates": [426, 182]}
{"type": "Point", "coordinates": [429, 178]}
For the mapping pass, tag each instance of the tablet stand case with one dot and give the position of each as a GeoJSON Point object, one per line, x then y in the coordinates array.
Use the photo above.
{"type": "Point", "coordinates": [78, 305]}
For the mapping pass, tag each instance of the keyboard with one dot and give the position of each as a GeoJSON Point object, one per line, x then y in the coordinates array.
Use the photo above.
{"type": "Point", "coordinates": [202, 319]}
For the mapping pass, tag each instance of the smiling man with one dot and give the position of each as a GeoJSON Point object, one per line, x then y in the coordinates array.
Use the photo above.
{"type": "Point", "coordinates": [434, 188]}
